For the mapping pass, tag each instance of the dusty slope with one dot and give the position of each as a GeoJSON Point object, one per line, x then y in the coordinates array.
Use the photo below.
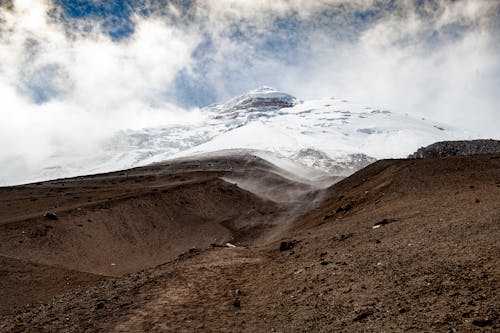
{"type": "Point", "coordinates": [123, 222]}
{"type": "Point", "coordinates": [22, 282]}
{"type": "Point", "coordinates": [432, 265]}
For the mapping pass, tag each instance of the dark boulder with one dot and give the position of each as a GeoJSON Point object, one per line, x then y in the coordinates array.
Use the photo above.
{"type": "Point", "coordinates": [285, 246]}
{"type": "Point", "coordinates": [50, 216]}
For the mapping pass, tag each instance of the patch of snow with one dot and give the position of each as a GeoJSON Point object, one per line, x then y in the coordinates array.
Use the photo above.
{"type": "Point", "coordinates": [330, 135]}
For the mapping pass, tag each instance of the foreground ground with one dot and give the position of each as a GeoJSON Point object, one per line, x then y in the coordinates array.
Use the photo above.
{"type": "Point", "coordinates": [403, 245]}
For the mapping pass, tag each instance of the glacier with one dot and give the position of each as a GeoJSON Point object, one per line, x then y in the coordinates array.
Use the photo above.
{"type": "Point", "coordinates": [332, 135]}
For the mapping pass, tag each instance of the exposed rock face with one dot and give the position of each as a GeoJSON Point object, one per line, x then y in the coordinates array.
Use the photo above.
{"type": "Point", "coordinates": [455, 148]}
{"type": "Point", "coordinates": [255, 104]}
{"type": "Point", "coordinates": [340, 165]}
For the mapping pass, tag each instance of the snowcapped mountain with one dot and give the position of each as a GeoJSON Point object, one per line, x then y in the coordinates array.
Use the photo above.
{"type": "Point", "coordinates": [328, 134]}
{"type": "Point", "coordinates": [331, 134]}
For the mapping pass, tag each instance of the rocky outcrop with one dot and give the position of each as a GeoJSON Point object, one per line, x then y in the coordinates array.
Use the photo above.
{"type": "Point", "coordinates": [455, 148]}
{"type": "Point", "coordinates": [254, 104]}
{"type": "Point", "coordinates": [339, 165]}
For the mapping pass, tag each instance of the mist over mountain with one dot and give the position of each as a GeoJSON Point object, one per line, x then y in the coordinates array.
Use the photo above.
{"type": "Point", "coordinates": [331, 135]}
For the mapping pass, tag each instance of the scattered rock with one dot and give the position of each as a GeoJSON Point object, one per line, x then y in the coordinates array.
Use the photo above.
{"type": "Point", "coordinates": [237, 303]}
{"type": "Point", "coordinates": [344, 209]}
{"type": "Point", "coordinates": [328, 216]}
{"type": "Point", "coordinates": [38, 233]}
{"type": "Point", "coordinates": [362, 315]}
{"type": "Point", "coordinates": [223, 245]}
{"type": "Point", "coordinates": [340, 238]}
{"type": "Point", "coordinates": [482, 322]}
{"type": "Point", "coordinates": [50, 216]}
{"type": "Point", "coordinates": [383, 223]}
{"type": "Point", "coordinates": [285, 246]}
{"type": "Point", "coordinates": [188, 254]}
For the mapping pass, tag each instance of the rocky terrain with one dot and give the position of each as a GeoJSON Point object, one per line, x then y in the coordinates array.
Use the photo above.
{"type": "Point", "coordinates": [236, 244]}
{"type": "Point", "coordinates": [458, 148]}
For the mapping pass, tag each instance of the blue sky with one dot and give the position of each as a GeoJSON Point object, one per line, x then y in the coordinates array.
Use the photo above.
{"type": "Point", "coordinates": [285, 39]}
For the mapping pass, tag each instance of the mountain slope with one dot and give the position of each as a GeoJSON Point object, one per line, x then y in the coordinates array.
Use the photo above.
{"type": "Point", "coordinates": [402, 245]}
{"type": "Point", "coordinates": [122, 222]}
{"type": "Point", "coordinates": [328, 134]}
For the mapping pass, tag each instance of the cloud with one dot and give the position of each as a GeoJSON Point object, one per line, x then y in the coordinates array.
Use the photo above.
{"type": "Point", "coordinates": [66, 91]}
{"type": "Point", "coordinates": [441, 66]}
{"type": "Point", "coordinates": [73, 73]}
{"type": "Point", "coordinates": [434, 59]}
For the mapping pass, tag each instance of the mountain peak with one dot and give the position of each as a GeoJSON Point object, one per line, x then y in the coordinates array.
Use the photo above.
{"type": "Point", "coordinates": [326, 134]}
{"type": "Point", "coordinates": [259, 101]}
{"type": "Point", "coordinates": [266, 93]}
{"type": "Point", "coordinates": [263, 89]}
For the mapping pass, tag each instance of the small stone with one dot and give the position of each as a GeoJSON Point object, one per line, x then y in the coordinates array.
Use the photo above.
{"type": "Point", "coordinates": [361, 315]}
{"type": "Point", "coordinates": [482, 322]}
{"type": "Point", "coordinates": [341, 238]}
{"type": "Point", "coordinates": [237, 303]}
{"type": "Point", "coordinates": [328, 216]}
{"type": "Point", "coordinates": [383, 223]}
{"type": "Point", "coordinates": [50, 216]}
{"type": "Point", "coordinates": [285, 246]}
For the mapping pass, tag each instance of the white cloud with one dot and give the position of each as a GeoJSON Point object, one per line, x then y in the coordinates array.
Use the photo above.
{"type": "Point", "coordinates": [437, 61]}
{"type": "Point", "coordinates": [100, 86]}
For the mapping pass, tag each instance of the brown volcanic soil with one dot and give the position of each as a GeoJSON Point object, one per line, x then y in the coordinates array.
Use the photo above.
{"type": "Point", "coordinates": [123, 222]}
{"type": "Point", "coordinates": [432, 265]}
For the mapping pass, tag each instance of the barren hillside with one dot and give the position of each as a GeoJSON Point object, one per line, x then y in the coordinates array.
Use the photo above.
{"type": "Point", "coordinates": [402, 245]}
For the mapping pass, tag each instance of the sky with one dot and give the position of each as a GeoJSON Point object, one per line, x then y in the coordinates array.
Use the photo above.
{"type": "Point", "coordinates": [72, 72]}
